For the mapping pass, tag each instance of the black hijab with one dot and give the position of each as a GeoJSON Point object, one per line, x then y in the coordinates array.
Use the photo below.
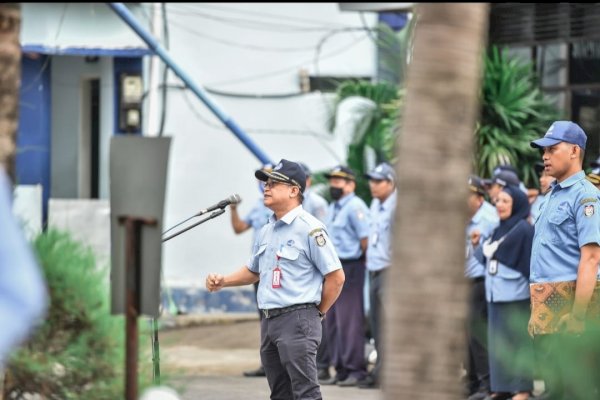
{"type": "Point", "coordinates": [515, 250]}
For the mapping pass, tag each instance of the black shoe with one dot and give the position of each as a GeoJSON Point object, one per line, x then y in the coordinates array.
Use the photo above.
{"type": "Point", "coordinates": [323, 374]}
{"type": "Point", "coordinates": [349, 381]}
{"type": "Point", "coordinates": [481, 395]}
{"type": "Point", "coordinates": [368, 383]}
{"type": "Point", "coordinates": [260, 371]}
{"type": "Point", "coordinates": [331, 381]}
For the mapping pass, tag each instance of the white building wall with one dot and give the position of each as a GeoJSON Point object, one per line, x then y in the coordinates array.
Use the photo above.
{"type": "Point", "coordinates": [249, 49]}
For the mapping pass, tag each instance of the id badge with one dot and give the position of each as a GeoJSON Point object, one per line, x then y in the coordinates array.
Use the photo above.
{"type": "Point", "coordinates": [276, 278]}
{"type": "Point", "coordinates": [375, 238]}
{"type": "Point", "coordinates": [493, 267]}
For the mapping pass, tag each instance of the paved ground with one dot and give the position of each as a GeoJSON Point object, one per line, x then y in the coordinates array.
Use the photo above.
{"type": "Point", "coordinates": [207, 361]}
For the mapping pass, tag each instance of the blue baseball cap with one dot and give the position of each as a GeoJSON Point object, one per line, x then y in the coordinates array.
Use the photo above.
{"type": "Point", "coordinates": [503, 177]}
{"type": "Point", "coordinates": [382, 172]}
{"type": "Point", "coordinates": [285, 171]}
{"type": "Point", "coordinates": [562, 131]}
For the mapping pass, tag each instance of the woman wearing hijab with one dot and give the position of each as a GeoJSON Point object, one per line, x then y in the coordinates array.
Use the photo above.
{"type": "Point", "coordinates": [507, 253]}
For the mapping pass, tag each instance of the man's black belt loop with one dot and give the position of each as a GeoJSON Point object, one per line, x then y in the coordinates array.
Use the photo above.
{"type": "Point", "coordinates": [274, 312]}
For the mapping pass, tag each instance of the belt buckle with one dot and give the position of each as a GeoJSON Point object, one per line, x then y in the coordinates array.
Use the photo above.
{"type": "Point", "coordinates": [266, 313]}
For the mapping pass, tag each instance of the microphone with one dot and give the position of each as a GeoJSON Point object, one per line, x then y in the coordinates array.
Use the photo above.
{"type": "Point", "coordinates": [233, 199]}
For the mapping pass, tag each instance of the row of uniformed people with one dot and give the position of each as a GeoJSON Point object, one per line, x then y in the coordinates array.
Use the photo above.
{"type": "Point", "coordinates": [362, 238]}
{"type": "Point", "coordinates": [350, 225]}
{"type": "Point", "coordinates": [497, 263]}
{"type": "Point", "coordinates": [499, 254]}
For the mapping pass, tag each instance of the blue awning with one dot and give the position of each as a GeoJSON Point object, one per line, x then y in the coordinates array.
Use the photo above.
{"type": "Point", "coordinates": [87, 51]}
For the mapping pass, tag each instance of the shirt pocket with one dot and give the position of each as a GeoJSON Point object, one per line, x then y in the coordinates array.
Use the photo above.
{"type": "Point", "coordinates": [507, 273]}
{"type": "Point", "coordinates": [289, 253]}
{"type": "Point", "coordinates": [562, 228]}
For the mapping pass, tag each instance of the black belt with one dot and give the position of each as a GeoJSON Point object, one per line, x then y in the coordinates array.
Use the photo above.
{"type": "Point", "coordinates": [274, 312]}
{"type": "Point", "coordinates": [478, 279]}
{"type": "Point", "coordinates": [350, 260]}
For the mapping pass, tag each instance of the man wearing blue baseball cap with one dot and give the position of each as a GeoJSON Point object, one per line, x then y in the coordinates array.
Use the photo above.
{"type": "Point", "coordinates": [382, 184]}
{"type": "Point", "coordinates": [300, 277]}
{"type": "Point", "coordinates": [565, 254]}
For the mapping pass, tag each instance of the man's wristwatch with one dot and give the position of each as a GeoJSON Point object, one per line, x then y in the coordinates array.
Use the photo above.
{"type": "Point", "coordinates": [321, 315]}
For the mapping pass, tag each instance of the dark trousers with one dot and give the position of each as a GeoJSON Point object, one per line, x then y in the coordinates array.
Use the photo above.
{"type": "Point", "coordinates": [288, 352]}
{"type": "Point", "coordinates": [323, 358]}
{"type": "Point", "coordinates": [477, 365]}
{"type": "Point", "coordinates": [570, 364]}
{"type": "Point", "coordinates": [345, 324]}
{"type": "Point", "coordinates": [510, 347]}
{"type": "Point", "coordinates": [376, 285]}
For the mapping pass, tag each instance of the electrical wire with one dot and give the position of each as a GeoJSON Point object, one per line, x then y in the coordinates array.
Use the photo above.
{"type": "Point", "coordinates": [278, 17]}
{"type": "Point", "coordinates": [285, 70]}
{"type": "Point", "coordinates": [319, 137]}
{"type": "Point", "coordinates": [246, 46]}
{"type": "Point", "coordinates": [248, 23]}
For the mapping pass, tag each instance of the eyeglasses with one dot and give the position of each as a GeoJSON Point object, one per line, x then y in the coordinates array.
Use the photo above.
{"type": "Point", "coordinates": [271, 184]}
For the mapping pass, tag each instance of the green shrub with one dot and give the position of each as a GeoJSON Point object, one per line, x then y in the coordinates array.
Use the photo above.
{"type": "Point", "coordinates": [514, 112]}
{"type": "Point", "coordinates": [78, 351]}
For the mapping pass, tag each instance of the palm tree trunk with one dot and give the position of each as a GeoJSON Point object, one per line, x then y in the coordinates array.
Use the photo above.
{"type": "Point", "coordinates": [10, 77]}
{"type": "Point", "coordinates": [427, 291]}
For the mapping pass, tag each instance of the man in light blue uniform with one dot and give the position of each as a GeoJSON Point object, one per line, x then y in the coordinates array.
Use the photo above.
{"type": "Point", "coordinates": [316, 205]}
{"type": "Point", "coordinates": [382, 184]}
{"type": "Point", "coordinates": [348, 222]}
{"type": "Point", "coordinates": [594, 175]}
{"type": "Point", "coordinates": [484, 219]}
{"type": "Point", "coordinates": [503, 175]}
{"type": "Point", "coordinates": [566, 247]}
{"type": "Point", "coordinates": [313, 202]}
{"type": "Point", "coordinates": [23, 295]}
{"type": "Point", "coordinates": [255, 219]}
{"type": "Point", "coordinates": [300, 279]}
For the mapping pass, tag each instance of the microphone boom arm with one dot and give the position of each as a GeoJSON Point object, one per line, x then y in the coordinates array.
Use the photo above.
{"type": "Point", "coordinates": [211, 216]}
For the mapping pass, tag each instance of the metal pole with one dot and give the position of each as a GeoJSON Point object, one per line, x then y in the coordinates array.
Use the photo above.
{"type": "Point", "coordinates": [156, 47]}
{"type": "Point", "coordinates": [155, 353]}
{"type": "Point", "coordinates": [133, 227]}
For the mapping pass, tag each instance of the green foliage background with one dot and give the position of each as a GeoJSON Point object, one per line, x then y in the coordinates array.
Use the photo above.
{"type": "Point", "coordinates": [78, 351]}
{"type": "Point", "coordinates": [514, 112]}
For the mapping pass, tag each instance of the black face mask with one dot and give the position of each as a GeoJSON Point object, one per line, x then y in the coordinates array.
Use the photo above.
{"type": "Point", "coordinates": [336, 193]}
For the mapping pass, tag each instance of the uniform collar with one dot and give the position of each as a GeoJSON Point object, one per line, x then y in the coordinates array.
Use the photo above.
{"type": "Point", "coordinates": [341, 202]}
{"type": "Point", "coordinates": [485, 208]}
{"type": "Point", "coordinates": [390, 201]}
{"type": "Point", "coordinates": [289, 217]}
{"type": "Point", "coordinates": [570, 181]}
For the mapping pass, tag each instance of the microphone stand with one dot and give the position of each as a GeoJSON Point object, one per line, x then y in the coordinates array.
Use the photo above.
{"type": "Point", "coordinates": [154, 322]}
{"type": "Point", "coordinates": [211, 216]}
